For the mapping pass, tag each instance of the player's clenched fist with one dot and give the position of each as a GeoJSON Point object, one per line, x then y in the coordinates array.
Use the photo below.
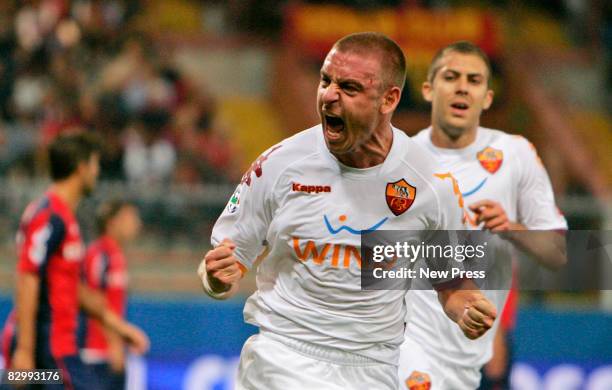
{"type": "Point", "coordinates": [478, 315]}
{"type": "Point", "coordinates": [469, 308]}
{"type": "Point", "coordinates": [220, 270]}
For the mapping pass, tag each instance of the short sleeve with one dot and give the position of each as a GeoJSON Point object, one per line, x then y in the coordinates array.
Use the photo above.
{"type": "Point", "coordinates": [39, 240]}
{"type": "Point", "coordinates": [247, 216]}
{"type": "Point", "coordinates": [536, 201]}
{"type": "Point", "coordinates": [98, 263]}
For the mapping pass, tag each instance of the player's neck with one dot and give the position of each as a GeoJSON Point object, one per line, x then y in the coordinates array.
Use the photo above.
{"type": "Point", "coordinates": [69, 190]}
{"type": "Point", "coordinates": [371, 153]}
{"type": "Point", "coordinates": [443, 139]}
{"type": "Point", "coordinates": [115, 236]}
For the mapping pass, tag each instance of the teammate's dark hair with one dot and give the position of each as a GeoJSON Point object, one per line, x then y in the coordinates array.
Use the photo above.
{"type": "Point", "coordinates": [393, 59]}
{"type": "Point", "coordinates": [67, 151]}
{"type": "Point", "coordinates": [107, 211]}
{"type": "Point", "coordinates": [463, 47]}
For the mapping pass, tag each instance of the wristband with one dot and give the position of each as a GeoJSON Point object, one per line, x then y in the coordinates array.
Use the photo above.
{"type": "Point", "coordinates": [206, 285]}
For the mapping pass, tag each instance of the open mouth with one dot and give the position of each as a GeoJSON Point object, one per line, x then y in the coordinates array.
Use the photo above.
{"type": "Point", "coordinates": [459, 109]}
{"type": "Point", "coordinates": [333, 126]}
{"type": "Point", "coordinates": [460, 106]}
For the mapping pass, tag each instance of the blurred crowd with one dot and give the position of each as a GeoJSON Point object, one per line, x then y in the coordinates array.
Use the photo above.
{"type": "Point", "coordinates": [83, 65]}
{"type": "Point", "coordinates": [86, 65]}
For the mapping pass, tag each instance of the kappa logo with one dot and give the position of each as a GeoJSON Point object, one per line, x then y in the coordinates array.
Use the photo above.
{"type": "Point", "coordinates": [257, 167]}
{"type": "Point", "coordinates": [297, 187]}
{"type": "Point", "coordinates": [490, 158]}
{"type": "Point", "coordinates": [400, 196]}
{"type": "Point", "coordinates": [418, 381]}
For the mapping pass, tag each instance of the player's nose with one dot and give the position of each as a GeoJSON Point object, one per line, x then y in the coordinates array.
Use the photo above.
{"type": "Point", "coordinates": [329, 94]}
{"type": "Point", "coordinates": [461, 87]}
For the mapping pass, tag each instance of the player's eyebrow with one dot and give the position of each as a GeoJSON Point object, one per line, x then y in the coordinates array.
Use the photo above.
{"type": "Point", "coordinates": [455, 72]}
{"type": "Point", "coordinates": [343, 82]}
{"type": "Point", "coordinates": [350, 83]}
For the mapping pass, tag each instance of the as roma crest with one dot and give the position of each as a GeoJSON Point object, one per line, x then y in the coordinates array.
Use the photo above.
{"type": "Point", "coordinates": [418, 381]}
{"type": "Point", "coordinates": [400, 196]}
{"type": "Point", "coordinates": [490, 159]}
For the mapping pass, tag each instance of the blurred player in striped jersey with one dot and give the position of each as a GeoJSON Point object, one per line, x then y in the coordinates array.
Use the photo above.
{"type": "Point", "coordinates": [506, 189]}
{"type": "Point", "coordinates": [105, 271]}
{"type": "Point", "coordinates": [301, 209]}
{"type": "Point", "coordinates": [41, 333]}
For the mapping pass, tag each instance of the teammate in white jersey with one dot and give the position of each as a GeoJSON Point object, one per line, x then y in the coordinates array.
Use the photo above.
{"type": "Point", "coordinates": [505, 188]}
{"type": "Point", "coordinates": [301, 208]}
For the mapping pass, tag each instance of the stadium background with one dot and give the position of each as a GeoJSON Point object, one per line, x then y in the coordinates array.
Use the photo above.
{"type": "Point", "coordinates": [187, 93]}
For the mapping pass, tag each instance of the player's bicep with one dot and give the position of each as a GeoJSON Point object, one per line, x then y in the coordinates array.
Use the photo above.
{"type": "Point", "coordinates": [536, 201]}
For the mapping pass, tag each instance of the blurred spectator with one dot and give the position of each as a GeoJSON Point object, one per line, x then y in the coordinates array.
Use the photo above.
{"type": "Point", "coordinates": [205, 153]}
{"type": "Point", "coordinates": [17, 145]}
{"type": "Point", "coordinates": [60, 115]}
{"type": "Point", "coordinates": [81, 65]}
{"type": "Point", "coordinates": [606, 27]}
{"type": "Point", "coordinates": [7, 63]}
{"type": "Point", "coordinates": [149, 157]}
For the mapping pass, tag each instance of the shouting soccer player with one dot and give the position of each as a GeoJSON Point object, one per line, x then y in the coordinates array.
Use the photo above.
{"type": "Point", "coordinates": [506, 190]}
{"type": "Point", "coordinates": [301, 209]}
{"type": "Point", "coordinates": [42, 331]}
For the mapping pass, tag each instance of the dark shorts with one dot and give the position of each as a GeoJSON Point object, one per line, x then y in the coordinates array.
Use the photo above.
{"type": "Point", "coordinates": [109, 379]}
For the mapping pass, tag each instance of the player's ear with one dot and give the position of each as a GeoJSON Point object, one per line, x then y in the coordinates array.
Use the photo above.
{"type": "Point", "coordinates": [391, 99]}
{"type": "Point", "coordinates": [427, 91]}
{"type": "Point", "coordinates": [488, 99]}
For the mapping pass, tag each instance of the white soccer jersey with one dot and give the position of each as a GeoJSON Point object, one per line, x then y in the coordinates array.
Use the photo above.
{"type": "Point", "coordinates": [309, 210]}
{"type": "Point", "coordinates": [500, 167]}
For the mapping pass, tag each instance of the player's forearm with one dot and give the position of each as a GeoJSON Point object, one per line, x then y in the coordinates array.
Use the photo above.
{"type": "Point", "coordinates": [127, 332]}
{"type": "Point", "coordinates": [546, 247]}
{"type": "Point", "coordinates": [92, 302]}
{"type": "Point", "coordinates": [112, 322]}
{"type": "Point", "coordinates": [28, 286]}
{"type": "Point", "coordinates": [116, 348]}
